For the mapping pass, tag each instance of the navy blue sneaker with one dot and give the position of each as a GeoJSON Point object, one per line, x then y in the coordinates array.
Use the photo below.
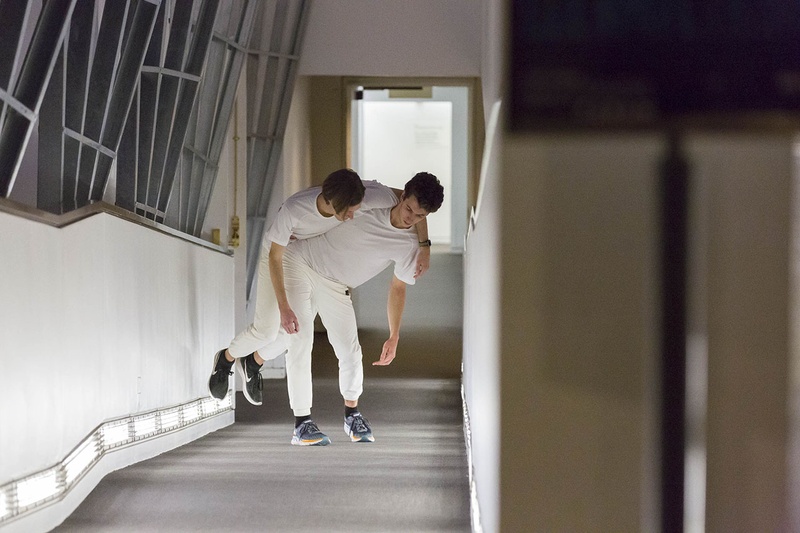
{"type": "Point", "coordinates": [357, 428]}
{"type": "Point", "coordinates": [308, 434]}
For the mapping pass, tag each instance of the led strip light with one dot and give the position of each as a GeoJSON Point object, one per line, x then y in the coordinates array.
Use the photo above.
{"type": "Point", "coordinates": [475, 512]}
{"type": "Point", "coordinates": [30, 493]}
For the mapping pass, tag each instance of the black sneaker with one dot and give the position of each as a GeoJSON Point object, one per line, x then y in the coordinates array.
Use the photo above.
{"type": "Point", "coordinates": [251, 375]}
{"type": "Point", "coordinates": [218, 382]}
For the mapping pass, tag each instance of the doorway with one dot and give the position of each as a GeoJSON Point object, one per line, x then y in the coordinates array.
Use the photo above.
{"type": "Point", "coordinates": [396, 132]}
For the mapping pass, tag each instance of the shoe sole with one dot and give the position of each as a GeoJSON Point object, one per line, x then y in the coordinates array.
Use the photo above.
{"type": "Point", "coordinates": [319, 442]}
{"type": "Point", "coordinates": [353, 438]}
{"type": "Point", "coordinates": [213, 368]}
{"type": "Point", "coordinates": [240, 369]}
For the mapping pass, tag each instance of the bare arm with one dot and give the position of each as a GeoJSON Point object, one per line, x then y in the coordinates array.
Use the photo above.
{"type": "Point", "coordinates": [288, 318]}
{"type": "Point", "coordinates": [394, 309]}
{"type": "Point", "coordinates": [424, 253]}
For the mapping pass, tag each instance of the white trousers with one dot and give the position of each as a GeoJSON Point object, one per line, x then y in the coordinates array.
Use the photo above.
{"type": "Point", "coordinates": [262, 334]}
{"type": "Point", "coordinates": [309, 294]}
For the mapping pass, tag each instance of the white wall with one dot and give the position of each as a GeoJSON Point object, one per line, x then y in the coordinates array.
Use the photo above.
{"type": "Point", "coordinates": [100, 319]}
{"type": "Point", "coordinates": [432, 303]}
{"type": "Point", "coordinates": [481, 379]}
{"type": "Point", "coordinates": [493, 44]}
{"type": "Point", "coordinates": [579, 317]}
{"type": "Point", "coordinates": [412, 38]}
{"type": "Point", "coordinates": [745, 304]}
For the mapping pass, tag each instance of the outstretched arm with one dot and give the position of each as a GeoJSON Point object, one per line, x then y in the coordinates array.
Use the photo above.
{"type": "Point", "coordinates": [288, 318]}
{"type": "Point", "coordinates": [394, 309]}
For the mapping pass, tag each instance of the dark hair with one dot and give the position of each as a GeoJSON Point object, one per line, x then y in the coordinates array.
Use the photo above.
{"type": "Point", "coordinates": [425, 187]}
{"type": "Point", "coordinates": [343, 188]}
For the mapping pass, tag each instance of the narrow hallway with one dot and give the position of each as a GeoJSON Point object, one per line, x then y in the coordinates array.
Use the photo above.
{"type": "Point", "coordinates": [247, 477]}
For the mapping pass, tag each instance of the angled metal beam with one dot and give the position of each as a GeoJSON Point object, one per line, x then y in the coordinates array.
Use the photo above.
{"type": "Point", "coordinates": [17, 13]}
{"type": "Point", "coordinates": [17, 106]}
{"type": "Point", "coordinates": [212, 115]}
{"type": "Point", "coordinates": [104, 65]}
{"type": "Point", "coordinates": [175, 27]}
{"type": "Point", "coordinates": [128, 158]}
{"type": "Point", "coordinates": [78, 50]}
{"type": "Point", "coordinates": [30, 89]}
{"type": "Point", "coordinates": [135, 45]}
{"type": "Point", "coordinates": [49, 192]}
{"type": "Point", "coordinates": [272, 94]}
{"type": "Point", "coordinates": [194, 65]}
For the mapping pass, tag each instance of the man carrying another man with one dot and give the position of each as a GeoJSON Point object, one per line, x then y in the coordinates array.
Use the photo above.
{"type": "Point", "coordinates": [319, 273]}
{"type": "Point", "coordinates": [314, 275]}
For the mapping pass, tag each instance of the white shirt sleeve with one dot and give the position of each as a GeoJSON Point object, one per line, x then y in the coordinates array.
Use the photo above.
{"type": "Point", "coordinates": [377, 196]}
{"type": "Point", "coordinates": [406, 267]}
{"type": "Point", "coordinates": [280, 232]}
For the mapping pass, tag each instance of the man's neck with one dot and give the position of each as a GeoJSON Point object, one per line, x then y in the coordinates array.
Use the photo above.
{"type": "Point", "coordinates": [323, 206]}
{"type": "Point", "coordinates": [394, 217]}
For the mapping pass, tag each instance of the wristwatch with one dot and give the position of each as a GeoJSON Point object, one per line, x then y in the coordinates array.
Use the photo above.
{"type": "Point", "coordinates": [424, 243]}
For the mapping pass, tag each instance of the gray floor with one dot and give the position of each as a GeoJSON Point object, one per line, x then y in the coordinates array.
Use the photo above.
{"type": "Point", "coordinates": [247, 477]}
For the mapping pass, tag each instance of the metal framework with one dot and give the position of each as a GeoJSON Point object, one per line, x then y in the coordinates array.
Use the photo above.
{"type": "Point", "coordinates": [168, 86]}
{"type": "Point", "coordinates": [131, 99]}
{"type": "Point", "coordinates": [26, 65]}
{"type": "Point", "coordinates": [208, 125]}
{"type": "Point", "coordinates": [272, 62]}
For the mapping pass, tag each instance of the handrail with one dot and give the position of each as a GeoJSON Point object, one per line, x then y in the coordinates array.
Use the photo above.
{"type": "Point", "coordinates": [60, 221]}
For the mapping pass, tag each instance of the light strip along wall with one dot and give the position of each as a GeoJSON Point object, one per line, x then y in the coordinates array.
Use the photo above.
{"type": "Point", "coordinates": [31, 493]}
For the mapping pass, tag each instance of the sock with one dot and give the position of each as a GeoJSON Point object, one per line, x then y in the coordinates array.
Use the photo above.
{"type": "Point", "coordinates": [300, 419]}
{"type": "Point", "coordinates": [349, 411]}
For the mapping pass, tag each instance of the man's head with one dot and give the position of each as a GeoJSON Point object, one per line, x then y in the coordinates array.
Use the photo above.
{"type": "Point", "coordinates": [423, 194]}
{"type": "Point", "coordinates": [344, 191]}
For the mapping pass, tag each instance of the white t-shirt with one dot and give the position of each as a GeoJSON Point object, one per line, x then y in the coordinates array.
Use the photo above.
{"type": "Point", "coordinates": [360, 249]}
{"type": "Point", "coordinates": [299, 218]}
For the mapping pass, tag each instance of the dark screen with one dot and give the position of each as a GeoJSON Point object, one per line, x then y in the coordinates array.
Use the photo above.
{"type": "Point", "coordinates": [601, 63]}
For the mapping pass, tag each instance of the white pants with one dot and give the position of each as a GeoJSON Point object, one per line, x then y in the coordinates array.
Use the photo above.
{"type": "Point", "coordinates": [266, 326]}
{"type": "Point", "coordinates": [309, 294]}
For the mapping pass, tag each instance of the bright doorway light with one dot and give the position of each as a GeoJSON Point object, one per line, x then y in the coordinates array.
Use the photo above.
{"type": "Point", "coordinates": [402, 138]}
{"type": "Point", "coordinates": [397, 133]}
